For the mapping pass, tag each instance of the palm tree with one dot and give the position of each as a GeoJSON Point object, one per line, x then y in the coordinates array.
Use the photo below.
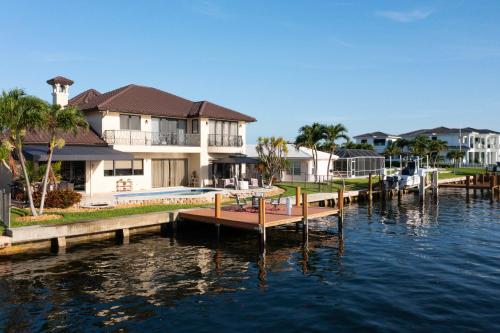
{"type": "Point", "coordinates": [310, 136]}
{"type": "Point", "coordinates": [272, 154]}
{"type": "Point", "coordinates": [20, 113]}
{"type": "Point", "coordinates": [392, 149]}
{"type": "Point", "coordinates": [57, 121]}
{"type": "Point", "coordinates": [332, 133]}
{"type": "Point", "coordinates": [455, 156]}
{"type": "Point", "coordinates": [435, 147]}
{"type": "Point", "coordinates": [419, 146]}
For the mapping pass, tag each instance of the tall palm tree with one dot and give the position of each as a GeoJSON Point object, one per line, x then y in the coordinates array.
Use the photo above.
{"type": "Point", "coordinates": [20, 113]}
{"type": "Point", "coordinates": [332, 133]}
{"type": "Point", "coordinates": [310, 136]}
{"type": "Point", "coordinates": [57, 121]}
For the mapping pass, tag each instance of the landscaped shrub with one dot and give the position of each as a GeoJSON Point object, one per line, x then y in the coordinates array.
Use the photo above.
{"type": "Point", "coordinates": [58, 198]}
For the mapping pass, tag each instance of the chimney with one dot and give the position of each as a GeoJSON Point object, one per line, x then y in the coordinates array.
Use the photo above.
{"type": "Point", "coordinates": [60, 90]}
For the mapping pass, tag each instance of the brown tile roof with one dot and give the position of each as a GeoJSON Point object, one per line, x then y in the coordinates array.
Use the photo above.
{"type": "Point", "coordinates": [150, 101]}
{"type": "Point", "coordinates": [61, 80]}
{"type": "Point", "coordinates": [210, 110]}
{"type": "Point", "coordinates": [83, 137]}
{"type": "Point", "coordinates": [83, 97]}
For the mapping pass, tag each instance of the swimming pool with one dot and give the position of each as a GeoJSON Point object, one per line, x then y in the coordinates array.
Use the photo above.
{"type": "Point", "coordinates": [176, 192]}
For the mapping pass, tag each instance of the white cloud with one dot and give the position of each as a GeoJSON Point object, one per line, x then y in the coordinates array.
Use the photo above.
{"type": "Point", "coordinates": [404, 17]}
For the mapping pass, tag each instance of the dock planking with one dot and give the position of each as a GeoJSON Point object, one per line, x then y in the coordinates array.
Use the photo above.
{"type": "Point", "coordinates": [232, 216]}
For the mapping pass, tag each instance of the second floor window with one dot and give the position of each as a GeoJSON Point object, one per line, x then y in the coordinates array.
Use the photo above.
{"type": "Point", "coordinates": [194, 126]}
{"type": "Point", "coordinates": [129, 122]}
{"type": "Point", "coordinates": [379, 142]}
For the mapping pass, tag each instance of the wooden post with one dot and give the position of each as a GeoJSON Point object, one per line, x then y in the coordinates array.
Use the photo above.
{"type": "Point", "coordinates": [467, 184]}
{"type": "Point", "coordinates": [297, 196]}
{"type": "Point", "coordinates": [380, 186]}
{"type": "Point", "coordinates": [421, 188]}
{"type": "Point", "coordinates": [340, 204]}
{"type": "Point", "coordinates": [122, 236]}
{"type": "Point", "coordinates": [218, 202]}
{"type": "Point", "coordinates": [493, 179]}
{"type": "Point", "coordinates": [262, 223]}
{"type": "Point", "coordinates": [370, 187]}
{"type": "Point", "coordinates": [305, 218]}
{"type": "Point", "coordinates": [58, 245]}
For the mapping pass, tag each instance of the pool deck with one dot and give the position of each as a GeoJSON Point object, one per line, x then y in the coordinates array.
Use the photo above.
{"type": "Point", "coordinates": [231, 216]}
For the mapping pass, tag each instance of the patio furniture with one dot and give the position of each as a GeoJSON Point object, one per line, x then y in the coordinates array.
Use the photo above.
{"type": "Point", "coordinates": [255, 200]}
{"type": "Point", "coordinates": [276, 202]}
{"type": "Point", "coordinates": [241, 203]}
{"type": "Point", "coordinates": [123, 185]}
{"type": "Point", "coordinates": [254, 183]}
{"type": "Point", "coordinates": [226, 182]}
{"type": "Point", "coordinates": [194, 182]}
{"type": "Point", "coordinates": [243, 185]}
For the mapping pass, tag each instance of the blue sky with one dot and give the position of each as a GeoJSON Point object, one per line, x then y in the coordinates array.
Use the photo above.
{"type": "Point", "coordinates": [371, 65]}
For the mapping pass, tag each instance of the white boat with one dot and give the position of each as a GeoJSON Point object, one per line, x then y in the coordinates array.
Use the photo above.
{"type": "Point", "coordinates": [408, 177]}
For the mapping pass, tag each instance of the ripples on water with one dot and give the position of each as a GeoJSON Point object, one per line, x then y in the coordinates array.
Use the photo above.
{"type": "Point", "coordinates": [402, 267]}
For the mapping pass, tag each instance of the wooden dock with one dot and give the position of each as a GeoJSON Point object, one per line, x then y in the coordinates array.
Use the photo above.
{"type": "Point", "coordinates": [264, 216]}
{"type": "Point", "coordinates": [489, 182]}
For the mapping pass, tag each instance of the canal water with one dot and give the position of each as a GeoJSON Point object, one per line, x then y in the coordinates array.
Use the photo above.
{"type": "Point", "coordinates": [402, 267]}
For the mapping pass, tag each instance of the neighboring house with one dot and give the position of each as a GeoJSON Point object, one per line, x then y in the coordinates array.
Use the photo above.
{"type": "Point", "coordinates": [301, 163]}
{"type": "Point", "coordinates": [481, 146]}
{"type": "Point", "coordinates": [142, 134]}
{"type": "Point", "coordinates": [379, 140]}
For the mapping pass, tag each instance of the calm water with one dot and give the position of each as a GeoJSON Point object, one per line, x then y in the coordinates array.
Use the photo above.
{"type": "Point", "coordinates": [402, 268]}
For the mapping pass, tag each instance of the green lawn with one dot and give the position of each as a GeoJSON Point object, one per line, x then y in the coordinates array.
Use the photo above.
{"type": "Point", "coordinates": [350, 184]}
{"type": "Point", "coordinates": [68, 217]}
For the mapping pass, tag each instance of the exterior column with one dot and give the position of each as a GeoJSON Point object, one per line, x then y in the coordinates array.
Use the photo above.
{"type": "Point", "coordinates": [204, 158]}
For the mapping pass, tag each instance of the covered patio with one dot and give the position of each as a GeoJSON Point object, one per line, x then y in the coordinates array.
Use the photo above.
{"type": "Point", "coordinates": [74, 161]}
{"type": "Point", "coordinates": [228, 171]}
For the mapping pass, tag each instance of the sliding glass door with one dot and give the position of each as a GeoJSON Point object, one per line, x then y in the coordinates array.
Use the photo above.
{"type": "Point", "coordinates": [168, 172]}
{"type": "Point", "coordinates": [168, 131]}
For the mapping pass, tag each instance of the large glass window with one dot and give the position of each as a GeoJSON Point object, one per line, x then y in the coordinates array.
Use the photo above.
{"type": "Point", "coordinates": [130, 122]}
{"type": "Point", "coordinates": [123, 168]}
{"type": "Point", "coordinates": [379, 142]}
{"type": "Point", "coordinates": [294, 168]}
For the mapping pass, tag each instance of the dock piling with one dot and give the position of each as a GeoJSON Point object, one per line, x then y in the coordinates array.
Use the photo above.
{"type": "Point", "coordinates": [370, 187]}
{"type": "Point", "coordinates": [262, 224]}
{"type": "Point", "coordinates": [297, 196]}
{"type": "Point", "coordinates": [340, 205]}
{"type": "Point", "coordinates": [218, 211]}
{"type": "Point", "coordinates": [305, 217]}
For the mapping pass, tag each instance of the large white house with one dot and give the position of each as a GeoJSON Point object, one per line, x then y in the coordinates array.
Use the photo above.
{"type": "Point", "coordinates": [379, 140]}
{"type": "Point", "coordinates": [481, 146]}
{"type": "Point", "coordinates": [142, 135]}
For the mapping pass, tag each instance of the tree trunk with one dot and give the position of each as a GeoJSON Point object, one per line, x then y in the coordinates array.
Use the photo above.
{"type": "Point", "coordinates": [45, 181]}
{"type": "Point", "coordinates": [26, 179]}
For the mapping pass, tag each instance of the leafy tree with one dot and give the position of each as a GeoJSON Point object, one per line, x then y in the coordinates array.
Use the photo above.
{"type": "Point", "coordinates": [57, 121]}
{"type": "Point", "coordinates": [435, 148]}
{"type": "Point", "coordinates": [353, 145]}
{"type": "Point", "coordinates": [272, 154]}
{"type": "Point", "coordinates": [310, 136]}
{"type": "Point", "coordinates": [455, 156]}
{"type": "Point", "coordinates": [420, 146]}
{"type": "Point", "coordinates": [332, 133]}
{"type": "Point", "coordinates": [392, 150]}
{"type": "Point", "coordinates": [20, 113]}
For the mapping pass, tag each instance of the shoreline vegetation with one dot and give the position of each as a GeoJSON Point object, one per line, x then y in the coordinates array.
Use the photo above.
{"type": "Point", "coordinates": [71, 216]}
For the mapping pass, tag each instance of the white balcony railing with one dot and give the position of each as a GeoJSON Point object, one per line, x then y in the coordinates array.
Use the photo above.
{"type": "Point", "coordinates": [130, 137]}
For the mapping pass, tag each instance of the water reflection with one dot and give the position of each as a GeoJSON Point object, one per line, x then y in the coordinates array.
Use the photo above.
{"type": "Point", "coordinates": [391, 252]}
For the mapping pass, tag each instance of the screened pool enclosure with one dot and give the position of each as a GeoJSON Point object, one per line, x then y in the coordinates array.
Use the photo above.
{"type": "Point", "coordinates": [358, 163]}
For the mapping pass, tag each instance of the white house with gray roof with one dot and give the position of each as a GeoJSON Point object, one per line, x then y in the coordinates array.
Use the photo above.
{"type": "Point", "coordinates": [301, 163]}
{"type": "Point", "coordinates": [379, 140]}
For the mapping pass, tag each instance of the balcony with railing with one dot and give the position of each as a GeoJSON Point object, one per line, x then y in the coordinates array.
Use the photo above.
{"type": "Point", "coordinates": [220, 140]}
{"type": "Point", "coordinates": [131, 137]}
